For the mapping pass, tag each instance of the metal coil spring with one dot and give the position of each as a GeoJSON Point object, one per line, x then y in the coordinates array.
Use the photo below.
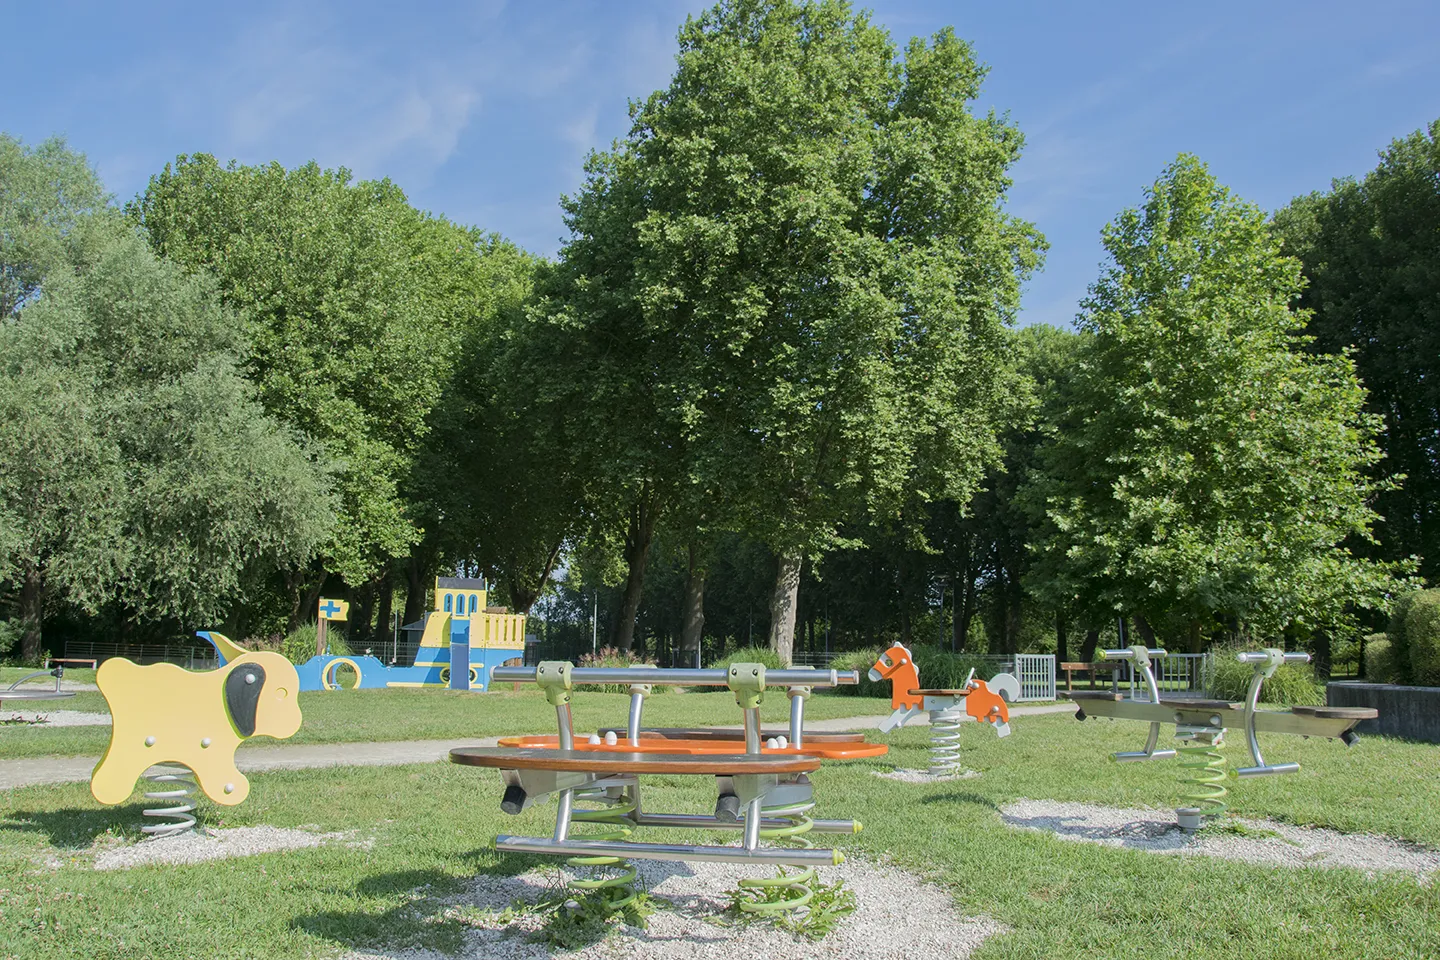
{"type": "Point", "coordinates": [182, 813]}
{"type": "Point", "coordinates": [1205, 775]}
{"type": "Point", "coordinates": [945, 743]}
{"type": "Point", "coordinates": [786, 890]}
{"type": "Point", "coordinates": [615, 880]}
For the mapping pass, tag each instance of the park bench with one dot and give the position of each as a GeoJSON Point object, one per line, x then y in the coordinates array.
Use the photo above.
{"type": "Point", "coordinates": [1094, 670]}
{"type": "Point", "coordinates": [72, 662]}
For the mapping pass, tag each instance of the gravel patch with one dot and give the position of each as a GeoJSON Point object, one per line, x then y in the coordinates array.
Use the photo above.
{"type": "Point", "coordinates": [57, 718]}
{"type": "Point", "coordinates": [898, 916]}
{"type": "Point", "coordinates": [1267, 842]}
{"type": "Point", "coordinates": [905, 775]}
{"type": "Point", "coordinates": [197, 846]}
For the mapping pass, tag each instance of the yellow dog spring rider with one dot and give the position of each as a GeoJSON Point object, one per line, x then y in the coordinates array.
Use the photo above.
{"type": "Point", "coordinates": [163, 714]}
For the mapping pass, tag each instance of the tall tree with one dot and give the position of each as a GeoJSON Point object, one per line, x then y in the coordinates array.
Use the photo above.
{"type": "Point", "coordinates": [140, 465]}
{"type": "Point", "coordinates": [353, 333]}
{"type": "Point", "coordinates": [1371, 252]}
{"type": "Point", "coordinates": [814, 248]}
{"type": "Point", "coordinates": [1208, 465]}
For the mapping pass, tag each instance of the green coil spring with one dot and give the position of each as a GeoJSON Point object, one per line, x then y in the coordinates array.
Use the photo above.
{"type": "Point", "coordinates": [615, 884]}
{"type": "Point", "coordinates": [1205, 774]}
{"type": "Point", "coordinates": [792, 886]}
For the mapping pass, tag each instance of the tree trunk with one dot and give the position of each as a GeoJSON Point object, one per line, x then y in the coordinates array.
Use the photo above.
{"type": "Point", "coordinates": [524, 594]}
{"type": "Point", "coordinates": [1147, 634]}
{"type": "Point", "coordinates": [1197, 640]}
{"type": "Point", "coordinates": [692, 616]}
{"type": "Point", "coordinates": [360, 634]}
{"type": "Point", "coordinates": [32, 614]}
{"type": "Point", "coordinates": [1012, 622]}
{"type": "Point", "coordinates": [384, 631]}
{"type": "Point", "coordinates": [638, 533]}
{"type": "Point", "coordinates": [1320, 655]}
{"type": "Point", "coordinates": [1062, 646]}
{"type": "Point", "coordinates": [782, 605]}
{"type": "Point", "coordinates": [416, 583]}
{"type": "Point", "coordinates": [964, 612]}
{"type": "Point", "coordinates": [1087, 649]}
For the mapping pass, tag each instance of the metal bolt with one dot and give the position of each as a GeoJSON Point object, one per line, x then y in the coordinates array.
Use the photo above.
{"type": "Point", "coordinates": [249, 678]}
{"type": "Point", "coordinates": [229, 788]}
{"type": "Point", "coordinates": [205, 742]}
{"type": "Point", "coordinates": [149, 741]}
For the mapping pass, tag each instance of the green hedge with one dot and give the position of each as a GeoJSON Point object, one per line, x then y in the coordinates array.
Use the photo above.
{"type": "Point", "coordinates": [1399, 637]}
{"type": "Point", "coordinates": [1422, 636]}
{"type": "Point", "coordinates": [615, 657]}
{"type": "Point", "coordinates": [1379, 659]}
{"type": "Point", "coordinates": [1292, 685]}
{"type": "Point", "coordinates": [764, 655]}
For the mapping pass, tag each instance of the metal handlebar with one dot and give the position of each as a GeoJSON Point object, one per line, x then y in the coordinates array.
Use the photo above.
{"type": "Point", "coordinates": [1128, 653]}
{"type": "Point", "coordinates": [680, 676]}
{"type": "Point", "coordinates": [1265, 662]}
{"type": "Point", "coordinates": [1140, 657]}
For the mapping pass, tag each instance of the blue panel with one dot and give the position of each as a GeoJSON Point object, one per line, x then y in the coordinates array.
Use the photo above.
{"type": "Point", "coordinates": [459, 654]}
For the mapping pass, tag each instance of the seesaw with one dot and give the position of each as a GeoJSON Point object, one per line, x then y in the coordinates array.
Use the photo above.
{"type": "Point", "coordinates": [1203, 723]}
{"type": "Point", "coordinates": [981, 700]}
{"type": "Point", "coordinates": [763, 792]}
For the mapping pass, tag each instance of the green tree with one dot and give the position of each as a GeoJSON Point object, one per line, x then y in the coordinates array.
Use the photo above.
{"type": "Point", "coordinates": [802, 270]}
{"type": "Point", "coordinates": [134, 455]}
{"type": "Point", "coordinates": [1371, 253]}
{"type": "Point", "coordinates": [355, 306]}
{"type": "Point", "coordinates": [47, 194]}
{"type": "Point", "coordinates": [1207, 465]}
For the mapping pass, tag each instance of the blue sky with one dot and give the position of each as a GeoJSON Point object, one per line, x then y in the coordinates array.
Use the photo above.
{"type": "Point", "coordinates": [484, 111]}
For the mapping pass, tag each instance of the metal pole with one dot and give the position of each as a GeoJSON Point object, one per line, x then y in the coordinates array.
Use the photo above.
{"type": "Point", "coordinates": [595, 621]}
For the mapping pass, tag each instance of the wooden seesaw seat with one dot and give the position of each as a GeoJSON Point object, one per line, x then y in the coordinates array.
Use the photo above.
{"type": "Point", "coordinates": [716, 746]}
{"type": "Point", "coordinates": [631, 762]}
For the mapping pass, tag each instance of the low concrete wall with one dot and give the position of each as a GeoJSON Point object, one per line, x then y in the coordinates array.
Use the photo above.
{"type": "Point", "coordinates": [1409, 712]}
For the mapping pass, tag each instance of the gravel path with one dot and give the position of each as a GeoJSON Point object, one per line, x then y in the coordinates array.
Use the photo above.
{"type": "Point", "coordinates": [898, 916]}
{"type": "Point", "coordinates": [58, 718]}
{"type": "Point", "coordinates": [1267, 842]}
{"type": "Point", "coordinates": [197, 846]}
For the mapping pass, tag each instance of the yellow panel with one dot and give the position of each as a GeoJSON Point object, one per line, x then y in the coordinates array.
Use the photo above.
{"type": "Point", "coordinates": [437, 631]}
{"type": "Point", "coordinates": [163, 714]}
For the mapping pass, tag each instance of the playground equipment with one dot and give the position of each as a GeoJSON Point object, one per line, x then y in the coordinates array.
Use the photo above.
{"type": "Point", "coordinates": [985, 702]}
{"type": "Point", "coordinates": [165, 715]}
{"type": "Point", "coordinates": [462, 640]}
{"type": "Point", "coordinates": [1202, 725]}
{"type": "Point", "coordinates": [763, 787]}
{"type": "Point", "coordinates": [13, 692]}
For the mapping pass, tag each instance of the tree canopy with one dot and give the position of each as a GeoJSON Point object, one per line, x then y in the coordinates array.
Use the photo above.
{"type": "Point", "coordinates": [1207, 466]}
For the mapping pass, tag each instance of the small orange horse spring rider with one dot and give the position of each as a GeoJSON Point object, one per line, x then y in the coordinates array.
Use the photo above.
{"type": "Point", "coordinates": [908, 699]}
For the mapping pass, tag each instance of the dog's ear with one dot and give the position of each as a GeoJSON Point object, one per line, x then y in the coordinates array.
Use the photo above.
{"type": "Point", "coordinates": [242, 696]}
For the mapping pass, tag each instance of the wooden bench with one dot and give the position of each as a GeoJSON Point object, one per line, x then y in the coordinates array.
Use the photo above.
{"type": "Point", "coordinates": [1112, 667]}
{"type": "Point", "coordinates": [72, 662]}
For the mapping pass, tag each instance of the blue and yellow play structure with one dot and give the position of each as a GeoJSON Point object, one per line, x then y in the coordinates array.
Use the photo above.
{"type": "Point", "coordinates": [463, 639]}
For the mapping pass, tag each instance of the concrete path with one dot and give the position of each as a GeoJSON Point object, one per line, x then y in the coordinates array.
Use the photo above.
{"type": "Point", "coordinates": [301, 756]}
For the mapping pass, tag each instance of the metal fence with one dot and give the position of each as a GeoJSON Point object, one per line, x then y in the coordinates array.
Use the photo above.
{"type": "Point", "coordinates": [191, 658]}
{"type": "Point", "coordinates": [1036, 673]}
{"type": "Point", "coordinates": [1177, 675]}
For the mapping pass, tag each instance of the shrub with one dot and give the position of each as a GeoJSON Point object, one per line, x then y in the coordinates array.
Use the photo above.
{"type": "Point", "coordinates": [1399, 636]}
{"type": "Point", "coordinates": [299, 645]}
{"type": "Point", "coordinates": [1292, 685]}
{"type": "Point", "coordinates": [1379, 659]}
{"type": "Point", "coordinates": [1422, 635]}
{"type": "Point", "coordinates": [861, 660]}
{"type": "Point", "coordinates": [615, 657]}
{"type": "Point", "coordinates": [746, 655]}
{"type": "Point", "coordinates": [9, 635]}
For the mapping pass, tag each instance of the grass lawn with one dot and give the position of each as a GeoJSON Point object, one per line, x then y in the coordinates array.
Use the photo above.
{"type": "Point", "coordinates": [432, 826]}
{"type": "Point", "coordinates": [362, 716]}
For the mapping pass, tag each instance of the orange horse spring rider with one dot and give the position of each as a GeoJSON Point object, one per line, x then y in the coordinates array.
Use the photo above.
{"type": "Point", "coordinates": [985, 702]}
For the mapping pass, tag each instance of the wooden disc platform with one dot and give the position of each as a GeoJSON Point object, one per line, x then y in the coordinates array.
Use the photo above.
{"type": "Point", "coordinates": [1090, 695]}
{"type": "Point", "coordinates": [1338, 713]}
{"type": "Point", "coordinates": [590, 761]}
{"type": "Point", "coordinates": [826, 750]}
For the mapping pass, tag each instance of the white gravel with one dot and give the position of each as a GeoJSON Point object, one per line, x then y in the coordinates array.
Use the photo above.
{"type": "Point", "coordinates": [905, 775]}
{"type": "Point", "coordinates": [198, 846]}
{"type": "Point", "coordinates": [1268, 842]}
{"type": "Point", "coordinates": [897, 916]}
{"type": "Point", "coordinates": [58, 718]}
